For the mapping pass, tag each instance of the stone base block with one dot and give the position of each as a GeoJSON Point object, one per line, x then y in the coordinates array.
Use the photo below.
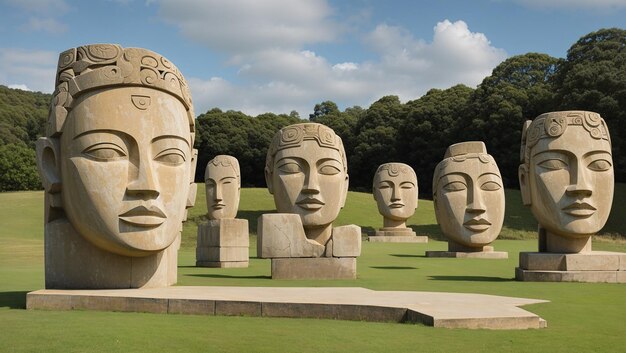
{"type": "Point", "coordinates": [282, 235]}
{"type": "Point", "coordinates": [213, 253]}
{"type": "Point", "coordinates": [223, 264]}
{"type": "Point", "coordinates": [314, 268]}
{"type": "Point", "coordinates": [593, 266]}
{"type": "Point", "coordinates": [224, 233]}
{"type": "Point", "coordinates": [471, 255]}
{"type": "Point", "coordinates": [346, 241]}
{"type": "Point", "coordinates": [391, 232]}
{"type": "Point", "coordinates": [398, 239]}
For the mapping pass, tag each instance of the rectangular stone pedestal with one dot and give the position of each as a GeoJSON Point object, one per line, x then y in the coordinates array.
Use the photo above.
{"type": "Point", "coordinates": [472, 255]}
{"type": "Point", "coordinates": [593, 266]}
{"type": "Point", "coordinates": [223, 243]}
{"type": "Point", "coordinates": [314, 268]}
{"type": "Point", "coordinates": [398, 239]}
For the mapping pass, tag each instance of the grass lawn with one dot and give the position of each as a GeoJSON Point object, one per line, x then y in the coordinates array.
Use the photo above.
{"type": "Point", "coordinates": [582, 317]}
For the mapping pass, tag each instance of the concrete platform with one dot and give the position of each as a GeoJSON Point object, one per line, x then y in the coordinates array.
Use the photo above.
{"type": "Point", "coordinates": [223, 264]}
{"type": "Point", "coordinates": [398, 239]}
{"type": "Point", "coordinates": [471, 255]}
{"type": "Point", "coordinates": [314, 268]}
{"type": "Point", "coordinates": [593, 266]}
{"type": "Point", "coordinates": [450, 310]}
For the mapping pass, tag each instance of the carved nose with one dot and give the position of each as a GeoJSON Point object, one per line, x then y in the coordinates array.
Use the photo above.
{"type": "Point", "coordinates": [144, 184]}
{"type": "Point", "coordinates": [475, 204]}
{"type": "Point", "coordinates": [395, 193]}
{"type": "Point", "coordinates": [218, 193]}
{"type": "Point", "coordinates": [580, 185]}
{"type": "Point", "coordinates": [311, 183]}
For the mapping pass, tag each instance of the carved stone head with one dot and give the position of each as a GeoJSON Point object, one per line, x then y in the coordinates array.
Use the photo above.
{"type": "Point", "coordinates": [468, 195]}
{"type": "Point", "coordinates": [566, 172]}
{"type": "Point", "coordinates": [307, 172]}
{"type": "Point", "coordinates": [395, 192]}
{"type": "Point", "coordinates": [118, 160]}
{"type": "Point", "coordinates": [223, 183]}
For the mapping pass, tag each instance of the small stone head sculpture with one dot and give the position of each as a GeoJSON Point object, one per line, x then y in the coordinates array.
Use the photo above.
{"type": "Point", "coordinates": [118, 159]}
{"type": "Point", "coordinates": [223, 183]}
{"type": "Point", "coordinates": [468, 195]}
{"type": "Point", "coordinates": [566, 172]}
{"type": "Point", "coordinates": [395, 191]}
{"type": "Point", "coordinates": [307, 172]}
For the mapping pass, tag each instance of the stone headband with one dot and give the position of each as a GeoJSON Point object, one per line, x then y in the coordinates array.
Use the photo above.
{"type": "Point", "coordinates": [460, 152]}
{"type": "Point", "coordinates": [224, 161]}
{"type": "Point", "coordinates": [393, 169]}
{"type": "Point", "coordinates": [554, 124]}
{"type": "Point", "coordinates": [293, 136]}
{"type": "Point", "coordinates": [96, 66]}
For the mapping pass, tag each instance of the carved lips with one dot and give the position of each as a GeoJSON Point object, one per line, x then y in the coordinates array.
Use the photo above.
{"type": "Point", "coordinates": [396, 205]}
{"type": "Point", "coordinates": [477, 224]}
{"type": "Point", "coordinates": [142, 216]}
{"type": "Point", "coordinates": [219, 206]}
{"type": "Point", "coordinates": [310, 203]}
{"type": "Point", "coordinates": [579, 209]}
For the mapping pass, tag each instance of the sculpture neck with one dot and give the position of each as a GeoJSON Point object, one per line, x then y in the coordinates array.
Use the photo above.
{"type": "Point", "coordinates": [390, 223]}
{"type": "Point", "coordinates": [319, 234]}
{"type": "Point", "coordinates": [554, 243]}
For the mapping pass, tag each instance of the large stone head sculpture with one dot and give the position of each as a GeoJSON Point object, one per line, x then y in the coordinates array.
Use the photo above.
{"type": "Point", "coordinates": [223, 183]}
{"type": "Point", "coordinates": [118, 158]}
{"type": "Point", "coordinates": [566, 172]}
{"type": "Point", "coordinates": [468, 195]}
{"type": "Point", "coordinates": [395, 191]}
{"type": "Point", "coordinates": [307, 172]}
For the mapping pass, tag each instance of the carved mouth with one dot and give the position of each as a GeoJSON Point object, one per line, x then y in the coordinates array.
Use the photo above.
{"type": "Point", "coordinates": [396, 205]}
{"type": "Point", "coordinates": [477, 225]}
{"type": "Point", "coordinates": [580, 209]}
{"type": "Point", "coordinates": [219, 206]}
{"type": "Point", "coordinates": [310, 203]}
{"type": "Point", "coordinates": [142, 216]}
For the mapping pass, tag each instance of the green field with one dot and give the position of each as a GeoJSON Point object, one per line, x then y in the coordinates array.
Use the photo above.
{"type": "Point", "coordinates": [582, 317]}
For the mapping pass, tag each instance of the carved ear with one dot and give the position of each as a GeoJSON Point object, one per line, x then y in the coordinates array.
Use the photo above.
{"type": "Point", "coordinates": [48, 164]}
{"type": "Point", "coordinates": [522, 173]}
{"type": "Point", "coordinates": [268, 181]}
{"type": "Point", "coordinates": [344, 192]}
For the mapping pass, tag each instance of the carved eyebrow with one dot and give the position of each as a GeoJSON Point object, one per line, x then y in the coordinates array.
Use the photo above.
{"type": "Point", "coordinates": [228, 177]}
{"type": "Point", "coordinates": [164, 137]}
{"type": "Point", "coordinates": [101, 131]}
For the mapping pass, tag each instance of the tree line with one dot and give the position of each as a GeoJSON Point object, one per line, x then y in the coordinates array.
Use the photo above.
{"type": "Point", "coordinates": [591, 77]}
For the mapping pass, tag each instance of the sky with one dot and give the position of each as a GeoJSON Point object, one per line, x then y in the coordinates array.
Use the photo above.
{"type": "Point", "coordinates": [277, 56]}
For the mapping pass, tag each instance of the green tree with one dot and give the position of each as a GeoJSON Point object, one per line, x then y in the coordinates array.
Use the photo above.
{"type": "Point", "coordinates": [518, 89]}
{"type": "Point", "coordinates": [18, 168]}
{"type": "Point", "coordinates": [322, 109]}
{"type": "Point", "coordinates": [593, 77]}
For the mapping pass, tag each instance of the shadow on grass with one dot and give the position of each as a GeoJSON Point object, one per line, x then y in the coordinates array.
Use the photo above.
{"type": "Point", "coordinates": [13, 300]}
{"type": "Point", "coordinates": [252, 217]}
{"type": "Point", "coordinates": [406, 255]}
{"type": "Point", "coordinates": [367, 230]}
{"type": "Point", "coordinates": [394, 267]}
{"type": "Point", "coordinates": [212, 275]}
{"type": "Point", "coordinates": [471, 278]}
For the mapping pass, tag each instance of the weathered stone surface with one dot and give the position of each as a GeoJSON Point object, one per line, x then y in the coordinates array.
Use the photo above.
{"type": "Point", "coordinates": [314, 268]}
{"type": "Point", "coordinates": [468, 196]}
{"type": "Point", "coordinates": [393, 232]}
{"type": "Point", "coordinates": [591, 261]}
{"type": "Point", "coordinates": [430, 308]}
{"type": "Point", "coordinates": [281, 235]}
{"type": "Point", "coordinates": [570, 276]}
{"type": "Point", "coordinates": [214, 253]}
{"type": "Point", "coordinates": [346, 241]}
{"type": "Point", "coordinates": [118, 224]}
{"type": "Point", "coordinates": [470, 255]}
{"type": "Point", "coordinates": [224, 233]}
{"type": "Point", "coordinates": [398, 239]}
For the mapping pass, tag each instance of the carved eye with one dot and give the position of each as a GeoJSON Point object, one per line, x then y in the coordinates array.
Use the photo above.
{"type": "Point", "coordinates": [553, 164]}
{"type": "Point", "coordinates": [600, 165]}
{"type": "Point", "coordinates": [490, 186]}
{"type": "Point", "coordinates": [406, 186]}
{"type": "Point", "coordinates": [171, 156]}
{"type": "Point", "coordinates": [105, 152]}
{"type": "Point", "coordinates": [290, 168]}
{"type": "Point", "coordinates": [329, 170]}
{"type": "Point", "coordinates": [384, 186]}
{"type": "Point", "coordinates": [455, 186]}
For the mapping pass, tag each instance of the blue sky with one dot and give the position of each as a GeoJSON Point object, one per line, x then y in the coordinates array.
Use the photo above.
{"type": "Point", "coordinates": [269, 55]}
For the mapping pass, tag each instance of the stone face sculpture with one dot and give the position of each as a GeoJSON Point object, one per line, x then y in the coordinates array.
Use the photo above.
{"type": "Point", "coordinates": [468, 197]}
{"type": "Point", "coordinates": [224, 241]}
{"type": "Point", "coordinates": [306, 172]}
{"type": "Point", "coordinates": [566, 178]}
{"type": "Point", "coordinates": [117, 165]}
{"type": "Point", "coordinates": [395, 191]}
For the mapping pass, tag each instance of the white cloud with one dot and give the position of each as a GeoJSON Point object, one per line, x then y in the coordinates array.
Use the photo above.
{"type": "Point", "coordinates": [34, 69]}
{"type": "Point", "coordinates": [50, 25]}
{"type": "Point", "coordinates": [246, 26]}
{"type": "Point", "coordinates": [281, 80]}
{"type": "Point", "coordinates": [575, 4]}
{"type": "Point", "coordinates": [20, 86]}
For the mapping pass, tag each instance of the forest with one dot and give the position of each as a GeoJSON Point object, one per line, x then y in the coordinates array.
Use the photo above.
{"type": "Point", "coordinates": [591, 77]}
